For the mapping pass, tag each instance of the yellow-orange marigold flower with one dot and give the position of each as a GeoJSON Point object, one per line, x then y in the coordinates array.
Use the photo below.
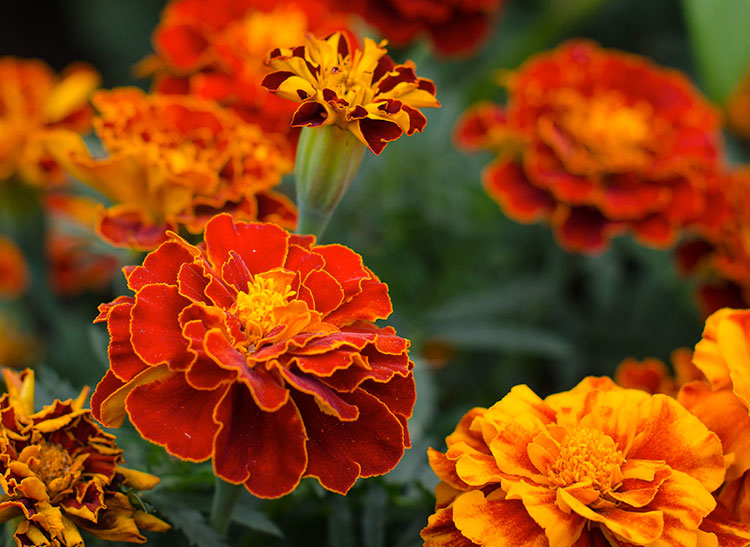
{"type": "Point", "coordinates": [33, 100]}
{"type": "Point", "coordinates": [14, 273]}
{"type": "Point", "coordinates": [60, 472]}
{"type": "Point", "coordinates": [653, 376]}
{"type": "Point", "coordinates": [175, 161]}
{"type": "Point", "coordinates": [597, 465]}
{"type": "Point", "coordinates": [362, 91]}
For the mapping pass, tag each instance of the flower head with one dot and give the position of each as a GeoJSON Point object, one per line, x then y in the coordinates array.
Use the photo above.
{"type": "Point", "coordinates": [597, 465]}
{"type": "Point", "coordinates": [217, 50]}
{"type": "Point", "coordinates": [454, 26]}
{"type": "Point", "coordinates": [361, 91]}
{"type": "Point", "coordinates": [258, 349]}
{"type": "Point", "coordinates": [14, 273]}
{"type": "Point", "coordinates": [60, 472]}
{"type": "Point", "coordinates": [596, 142]}
{"type": "Point", "coordinates": [653, 376]}
{"type": "Point", "coordinates": [175, 161]}
{"type": "Point", "coordinates": [33, 100]}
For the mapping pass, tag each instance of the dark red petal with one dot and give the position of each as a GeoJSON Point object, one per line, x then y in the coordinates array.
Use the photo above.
{"type": "Point", "coordinates": [301, 260]}
{"type": "Point", "coordinates": [235, 272]}
{"type": "Point", "coordinates": [399, 394]}
{"type": "Point", "coordinates": [156, 331]}
{"type": "Point", "coordinates": [417, 120]}
{"type": "Point", "coordinates": [262, 246]}
{"type": "Point", "coordinates": [131, 229]}
{"type": "Point", "coordinates": [172, 414]}
{"type": "Point", "coordinates": [309, 114]}
{"type": "Point", "coordinates": [403, 74]}
{"type": "Point", "coordinates": [273, 80]}
{"type": "Point", "coordinates": [325, 397]}
{"type": "Point", "coordinates": [340, 452]}
{"type": "Point", "coordinates": [371, 304]}
{"type": "Point", "coordinates": [265, 450]}
{"type": "Point", "coordinates": [160, 266]}
{"type": "Point", "coordinates": [584, 230]}
{"type": "Point", "coordinates": [326, 291]}
{"type": "Point", "coordinates": [326, 364]}
{"type": "Point", "coordinates": [192, 282]}
{"type": "Point", "coordinates": [378, 133]}
{"type": "Point", "coordinates": [124, 363]}
{"type": "Point", "coordinates": [506, 182]}
{"type": "Point", "coordinates": [345, 265]}
{"type": "Point", "coordinates": [106, 387]}
{"type": "Point", "coordinates": [655, 230]}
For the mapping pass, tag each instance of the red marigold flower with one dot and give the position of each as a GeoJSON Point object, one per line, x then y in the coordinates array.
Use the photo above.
{"type": "Point", "coordinates": [60, 472]}
{"type": "Point", "coordinates": [597, 465]}
{"type": "Point", "coordinates": [217, 50]}
{"type": "Point", "coordinates": [455, 26]}
{"type": "Point", "coordinates": [33, 100]}
{"type": "Point", "coordinates": [14, 273]}
{"type": "Point", "coordinates": [258, 349]}
{"type": "Point", "coordinates": [362, 91]}
{"type": "Point", "coordinates": [653, 376]}
{"type": "Point", "coordinates": [77, 261]}
{"type": "Point", "coordinates": [175, 161]}
{"type": "Point", "coordinates": [612, 143]}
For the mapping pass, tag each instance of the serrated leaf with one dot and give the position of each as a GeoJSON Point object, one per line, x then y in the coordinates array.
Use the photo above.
{"type": "Point", "coordinates": [256, 520]}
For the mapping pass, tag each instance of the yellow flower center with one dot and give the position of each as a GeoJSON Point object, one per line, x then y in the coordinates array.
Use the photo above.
{"type": "Point", "coordinates": [607, 134]}
{"type": "Point", "coordinates": [54, 462]}
{"type": "Point", "coordinates": [257, 308]}
{"type": "Point", "coordinates": [587, 455]}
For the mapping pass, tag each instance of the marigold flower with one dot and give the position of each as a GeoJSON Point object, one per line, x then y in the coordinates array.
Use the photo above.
{"type": "Point", "coordinates": [60, 472]}
{"type": "Point", "coordinates": [78, 261]}
{"type": "Point", "coordinates": [454, 26]}
{"type": "Point", "coordinates": [604, 142]}
{"type": "Point", "coordinates": [217, 50]}
{"type": "Point", "coordinates": [258, 349]}
{"type": "Point", "coordinates": [653, 376]}
{"type": "Point", "coordinates": [361, 91]}
{"type": "Point", "coordinates": [175, 161]}
{"type": "Point", "coordinates": [33, 100]}
{"type": "Point", "coordinates": [597, 465]}
{"type": "Point", "coordinates": [14, 273]}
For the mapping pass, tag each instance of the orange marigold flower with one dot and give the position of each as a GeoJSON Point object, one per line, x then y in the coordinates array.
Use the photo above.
{"type": "Point", "coordinates": [258, 349]}
{"type": "Point", "coordinates": [653, 376]}
{"type": "Point", "coordinates": [454, 26]}
{"type": "Point", "coordinates": [14, 273]}
{"type": "Point", "coordinates": [362, 91]}
{"type": "Point", "coordinates": [597, 465]}
{"type": "Point", "coordinates": [601, 142]}
{"type": "Point", "coordinates": [738, 107]}
{"type": "Point", "coordinates": [175, 161]}
{"type": "Point", "coordinates": [217, 49]}
{"type": "Point", "coordinates": [60, 472]}
{"type": "Point", "coordinates": [78, 261]}
{"type": "Point", "coordinates": [32, 101]}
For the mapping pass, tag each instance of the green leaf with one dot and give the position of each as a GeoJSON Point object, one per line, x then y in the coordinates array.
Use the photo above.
{"type": "Point", "coordinates": [340, 523]}
{"type": "Point", "coordinates": [256, 520]}
{"type": "Point", "coordinates": [187, 520]}
{"type": "Point", "coordinates": [720, 34]}
{"type": "Point", "coordinates": [373, 516]}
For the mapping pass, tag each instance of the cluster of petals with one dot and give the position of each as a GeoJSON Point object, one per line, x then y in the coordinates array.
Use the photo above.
{"type": "Point", "coordinates": [654, 376]}
{"type": "Point", "coordinates": [719, 257]}
{"type": "Point", "coordinates": [455, 26]}
{"type": "Point", "coordinates": [77, 260]}
{"type": "Point", "coordinates": [258, 349]}
{"type": "Point", "coordinates": [174, 161]}
{"type": "Point", "coordinates": [60, 472]}
{"type": "Point", "coordinates": [598, 465]}
{"type": "Point", "coordinates": [362, 91]}
{"type": "Point", "coordinates": [34, 100]}
{"type": "Point", "coordinates": [217, 50]}
{"type": "Point", "coordinates": [597, 142]}
{"type": "Point", "coordinates": [722, 399]}
{"type": "Point", "coordinates": [14, 272]}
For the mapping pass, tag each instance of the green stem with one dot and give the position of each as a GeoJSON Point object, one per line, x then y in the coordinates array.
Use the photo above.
{"type": "Point", "coordinates": [225, 498]}
{"type": "Point", "coordinates": [312, 221]}
{"type": "Point", "coordinates": [10, 530]}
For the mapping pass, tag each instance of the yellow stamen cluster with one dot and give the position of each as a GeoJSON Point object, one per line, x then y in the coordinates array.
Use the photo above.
{"type": "Point", "coordinates": [587, 455]}
{"type": "Point", "coordinates": [256, 306]}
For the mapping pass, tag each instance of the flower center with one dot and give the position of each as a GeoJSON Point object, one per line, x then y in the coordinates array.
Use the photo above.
{"type": "Point", "coordinates": [257, 307]}
{"type": "Point", "coordinates": [54, 462]}
{"type": "Point", "coordinates": [587, 455]}
{"type": "Point", "coordinates": [615, 136]}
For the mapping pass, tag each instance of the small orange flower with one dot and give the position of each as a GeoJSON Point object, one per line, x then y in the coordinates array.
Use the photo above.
{"type": "Point", "coordinates": [14, 273]}
{"type": "Point", "coordinates": [738, 107]}
{"type": "Point", "coordinates": [175, 161]}
{"type": "Point", "coordinates": [653, 376]}
{"type": "Point", "coordinates": [596, 142]}
{"type": "Point", "coordinates": [32, 101]}
{"type": "Point", "coordinates": [216, 49]}
{"type": "Point", "coordinates": [597, 465]}
{"type": "Point", "coordinates": [60, 472]}
{"type": "Point", "coordinates": [454, 26]}
{"type": "Point", "coordinates": [361, 91]}
{"type": "Point", "coordinates": [258, 349]}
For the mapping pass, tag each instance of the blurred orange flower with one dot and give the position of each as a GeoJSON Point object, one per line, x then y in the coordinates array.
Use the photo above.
{"type": "Point", "coordinates": [597, 465]}
{"type": "Point", "coordinates": [258, 349]}
{"type": "Point", "coordinates": [14, 273]}
{"type": "Point", "coordinates": [78, 260]}
{"type": "Point", "coordinates": [216, 49]}
{"type": "Point", "coordinates": [18, 348]}
{"type": "Point", "coordinates": [455, 26]}
{"type": "Point", "coordinates": [653, 376]}
{"type": "Point", "coordinates": [33, 100]}
{"type": "Point", "coordinates": [362, 91]}
{"type": "Point", "coordinates": [738, 107]}
{"type": "Point", "coordinates": [601, 142]}
{"type": "Point", "coordinates": [60, 472]}
{"type": "Point", "coordinates": [175, 161]}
